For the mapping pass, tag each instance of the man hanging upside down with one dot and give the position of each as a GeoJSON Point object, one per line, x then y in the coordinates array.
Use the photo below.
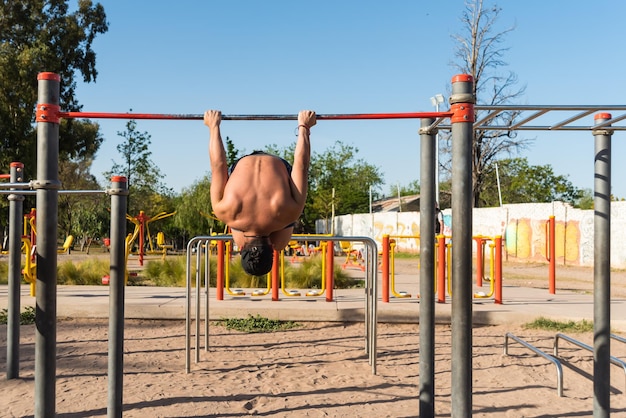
{"type": "Point", "coordinates": [260, 196]}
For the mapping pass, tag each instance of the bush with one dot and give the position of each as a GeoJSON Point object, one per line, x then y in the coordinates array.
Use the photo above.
{"type": "Point", "coordinates": [26, 318]}
{"type": "Point", "coordinates": [88, 272]}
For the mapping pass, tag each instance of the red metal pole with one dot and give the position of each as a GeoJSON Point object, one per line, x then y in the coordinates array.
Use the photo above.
{"type": "Point", "coordinates": [498, 268]}
{"type": "Point", "coordinates": [441, 268]}
{"type": "Point", "coordinates": [552, 254]}
{"type": "Point", "coordinates": [275, 276]}
{"type": "Point", "coordinates": [219, 285]}
{"type": "Point", "coordinates": [330, 270]}
{"type": "Point", "coordinates": [479, 261]}
{"type": "Point", "coordinates": [385, 268]}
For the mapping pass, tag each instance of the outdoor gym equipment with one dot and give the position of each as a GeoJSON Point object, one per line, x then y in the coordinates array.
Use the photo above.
{"type": "Point", "coordinates": [195, 248]}
{"type": "Point", "coordinates": [462, 123]}
{"type": "Point", "coordinates": [142, 221]}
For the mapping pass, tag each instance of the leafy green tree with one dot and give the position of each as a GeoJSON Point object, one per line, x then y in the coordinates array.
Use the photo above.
{"type": "Point", "coordinates": [410, 189]}
{"type": "Point", "coordinates": [147, 191]}
{"type": "Point", "coordinates": [524, 183]}
{"type": "Point", "coordinates": [338, 168]}
{"type": "Point", "coordinates": [194, 215]}
{"type": "Point", "coordinates": [36, 36]}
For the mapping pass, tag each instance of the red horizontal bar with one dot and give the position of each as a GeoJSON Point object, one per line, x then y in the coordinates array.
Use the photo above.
{"type": "Point", "coordinates": [5, 176]}
{"type": "Point", "coordinates": [165, 116]}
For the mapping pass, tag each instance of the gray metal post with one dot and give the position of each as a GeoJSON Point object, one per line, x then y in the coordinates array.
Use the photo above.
{"type": "Point", "coordinates": [15, 277]}
{"type": "Point", "coordinates": [461, 102]}
{"type": "Point", "coordinates": [427, 269]}
{"type": "Point", "coordinates": [117, 278]}
{"type": "Point", "coordinates": [602, 269]}
{"type": "Point", "coordinates": [46, 185]}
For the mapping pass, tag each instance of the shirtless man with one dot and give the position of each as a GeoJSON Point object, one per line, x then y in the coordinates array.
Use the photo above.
{"type": "Point", "coordinates": [261, 196]}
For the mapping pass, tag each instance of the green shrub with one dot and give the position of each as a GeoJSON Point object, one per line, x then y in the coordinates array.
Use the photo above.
{"type": "Point", "coordinates": [26, 318]}
{"type": "Point", "coordinates": [89, 272]}
{"type": "Point", "coordinates": [4, 272]}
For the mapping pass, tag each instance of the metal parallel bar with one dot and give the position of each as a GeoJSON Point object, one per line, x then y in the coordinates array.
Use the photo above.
{"type": "Point", "coordinates": [618, 338]}
{"type": "Point", "coordinates": [428, 144]}
{"type": "Point", "coordinates": [16, 220]}
{"type": "Point", "coordinates": [602, 267]}
{"type": "Point", "coordinates": [572, 119]}
{"type": "Point", "coordinates": [528, 119]}
{"type": "Point", "coordinates": [15, 185]}
{"type": "Point", "coordinates": [556, 362]}
{"type": "Point", "coordinates": [117, 286]}
{"type": "Point", "coordinates": [534, 128]}
{"type": "Point", "coordinates": [166, 116]}
{"type": "Point", "coordinates": [46, 282]}
{"type": "Point", "coordinates": [64, 192]}
{"type": "Point", "coordinates": [462, 206]}
{"type": "Point", "coordinates": [371, 293]}
{"type": "Point", "coordinates": [487, 118]}
{"type": "Point", "coordinates": [558, 336]}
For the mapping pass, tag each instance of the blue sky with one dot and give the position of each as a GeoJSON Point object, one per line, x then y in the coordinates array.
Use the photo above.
{"type": "Point", "coordinates": [278, 57]}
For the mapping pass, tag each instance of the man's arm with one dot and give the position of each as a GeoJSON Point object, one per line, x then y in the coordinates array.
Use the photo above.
{"type": "Point", "coordinates": [217, 154]}
{"type": "Point", "coordinates": [302, 156]}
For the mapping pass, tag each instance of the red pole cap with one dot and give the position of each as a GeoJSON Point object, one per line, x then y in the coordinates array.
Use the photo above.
{"type": "Point", "coordinates": [48, 76]}
{"type": "Point", "coordinates": [16, 164]}
{"type": "Point", "coordinates": [118, 179]}
{"type": "Point", "coordinates": [602, 116]}
{"type": "Point", "coordinates": [462, 77]}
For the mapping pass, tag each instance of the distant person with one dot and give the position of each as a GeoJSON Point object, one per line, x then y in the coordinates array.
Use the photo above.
{"type": "Point", "coordinates": [438, 220]}
{"type": "Point", "coordinates": [261, 196]}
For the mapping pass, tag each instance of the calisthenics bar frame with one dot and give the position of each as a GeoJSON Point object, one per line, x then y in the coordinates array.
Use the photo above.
{"type": "Point", "coordinates": [461, 115]}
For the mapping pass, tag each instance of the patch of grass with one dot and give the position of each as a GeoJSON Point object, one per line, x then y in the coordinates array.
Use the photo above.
{"type": "Point", "coordinates": [88, 272]}
{"type": "Point", "coordinates": [4, 272]}
{"type": "Point", "coordinates": [26, 318]}
{"type": "Point", "coordinates": [560, 326]}
{"type": "Point", "coordinates": [253, 324]}
{"type": "Point", "coordinates": [407, 256]}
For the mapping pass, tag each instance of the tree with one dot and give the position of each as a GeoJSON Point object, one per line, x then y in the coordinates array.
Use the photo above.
{"type": "Point", "coordinates": [144, 177]}
{"type": "Point", "coordinates": [337, 168]}
{"type": "Point", "coordinates": [479, 52]}
{"type": "Point", "coordinates": [36, 36]}
{"type": "Point", "coordinates": [524, 183]}
{"type": "Point", "coordinates": [410, 189]}
{"type": "Point", "coordinates": [84, 216]}
{"type": "Point", "coordinates": [194, 215]}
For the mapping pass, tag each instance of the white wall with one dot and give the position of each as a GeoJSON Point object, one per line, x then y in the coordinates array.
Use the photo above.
{"type": "Point", "coordinates": [522, 227]}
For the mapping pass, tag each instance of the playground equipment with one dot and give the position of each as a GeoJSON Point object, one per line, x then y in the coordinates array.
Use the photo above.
{"type": "Point", "coordinates": [353, 256]}
{"type": "Point", "coordinates": [195, 247]}
{"type": "Point", "coordinates": [275, 278]}
{"type": "Point", "coordinates": [462, 123]}
{"type": "Point", "coordinates": [142, 222]}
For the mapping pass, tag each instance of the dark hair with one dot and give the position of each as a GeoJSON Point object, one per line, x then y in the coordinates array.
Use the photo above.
{"type": "Point", "coordinates": [257, 256]}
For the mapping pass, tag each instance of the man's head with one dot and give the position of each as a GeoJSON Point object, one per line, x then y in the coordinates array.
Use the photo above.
{"type": "Point", "coordinates": [257, 256]}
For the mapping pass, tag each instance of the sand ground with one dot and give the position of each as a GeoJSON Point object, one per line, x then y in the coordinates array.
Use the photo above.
{"type": "Point", "coordinates": [319, 369]}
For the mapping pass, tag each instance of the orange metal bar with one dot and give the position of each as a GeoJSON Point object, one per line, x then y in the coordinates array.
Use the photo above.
{"type": "Point", "coordinates": [275, 276]}
{"type": "Point", "coordinates": [498, 269]}
{"type": "Point", "coordinates": [330, 270]}
{"type": "Point", "coordinates": [219, 285]}
{"type": "Point", "coordinates": [551, 254]}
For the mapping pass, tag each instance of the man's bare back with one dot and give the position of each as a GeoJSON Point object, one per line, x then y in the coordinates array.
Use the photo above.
{"type": "Point", "coordinates": [262, 198]}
